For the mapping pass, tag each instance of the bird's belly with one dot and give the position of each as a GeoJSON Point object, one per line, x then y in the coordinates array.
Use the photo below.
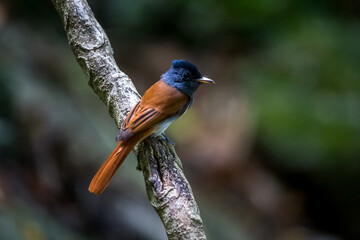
{"type": "Point", "coordinates": [163, 126]}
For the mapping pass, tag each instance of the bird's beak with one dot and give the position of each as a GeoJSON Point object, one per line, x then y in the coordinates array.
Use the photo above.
{"type": "Point", "coordinates": [205, 80]}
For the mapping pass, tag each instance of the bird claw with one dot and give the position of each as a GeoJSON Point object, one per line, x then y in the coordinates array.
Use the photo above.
{"type": "Point", "coordinates": [163, 137]}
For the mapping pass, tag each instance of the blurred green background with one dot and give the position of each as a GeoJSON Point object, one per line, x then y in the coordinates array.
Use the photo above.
{"type": "Point", "coordinates": [272, 150]}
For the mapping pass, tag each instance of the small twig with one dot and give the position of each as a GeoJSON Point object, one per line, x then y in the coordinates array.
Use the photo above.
{"type": "Point", "coordinates": [168, 190]}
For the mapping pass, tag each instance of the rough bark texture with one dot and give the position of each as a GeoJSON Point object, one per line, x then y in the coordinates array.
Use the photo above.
{"type": "Point", "coordinates": [168, 190]}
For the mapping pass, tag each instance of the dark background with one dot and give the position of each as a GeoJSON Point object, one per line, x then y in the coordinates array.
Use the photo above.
{"type": "Point", "coordinates": [272, 151]}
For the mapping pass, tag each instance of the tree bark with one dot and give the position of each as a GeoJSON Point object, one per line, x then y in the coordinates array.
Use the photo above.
{"type": "Point", "coordinates": [167, 188]}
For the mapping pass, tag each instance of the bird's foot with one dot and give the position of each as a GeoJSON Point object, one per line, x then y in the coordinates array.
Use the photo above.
{"type": "Point", "coordinates": [163, 137]}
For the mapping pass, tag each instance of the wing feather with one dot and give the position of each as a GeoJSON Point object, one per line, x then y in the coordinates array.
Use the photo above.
{"type": "Point", "coordinates": [159, 102]}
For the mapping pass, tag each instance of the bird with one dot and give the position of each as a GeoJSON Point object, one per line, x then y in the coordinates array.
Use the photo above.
{"type": "Point", "coordinates": [164, 102]}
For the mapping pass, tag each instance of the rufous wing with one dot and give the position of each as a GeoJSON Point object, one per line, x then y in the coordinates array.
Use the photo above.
{"type": "Point", "coordinates": [159, 103]}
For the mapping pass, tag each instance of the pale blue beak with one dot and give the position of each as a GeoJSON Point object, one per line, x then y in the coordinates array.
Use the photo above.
{"type": "Point", "coordinates": [205, 80]}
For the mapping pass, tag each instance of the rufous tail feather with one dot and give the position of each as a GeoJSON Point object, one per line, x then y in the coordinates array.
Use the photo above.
{"type": "Point", "coordinates": [109, 167]}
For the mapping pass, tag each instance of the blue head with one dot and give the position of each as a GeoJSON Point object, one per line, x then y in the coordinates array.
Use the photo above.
{"type": "Point", "coordinates": [184, 76]}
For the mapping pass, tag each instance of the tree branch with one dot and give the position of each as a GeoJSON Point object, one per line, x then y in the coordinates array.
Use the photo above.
{"type": "Point", "coordinates": [168, 190]}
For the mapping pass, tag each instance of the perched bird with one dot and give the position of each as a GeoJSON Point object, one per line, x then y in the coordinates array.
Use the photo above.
{"type": "Point", "coordinates": [161, 104]}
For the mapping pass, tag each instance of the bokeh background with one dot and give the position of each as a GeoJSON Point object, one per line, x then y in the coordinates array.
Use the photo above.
{"type": "Point", "coordinates": [272, 150]}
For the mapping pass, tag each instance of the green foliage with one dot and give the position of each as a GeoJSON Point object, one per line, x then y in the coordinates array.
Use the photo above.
{"type": "Point", "coordinates": [306, 90]}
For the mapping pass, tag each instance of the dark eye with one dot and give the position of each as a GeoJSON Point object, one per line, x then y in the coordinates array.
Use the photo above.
{"type": "Point", "coordinates": [187, 75]}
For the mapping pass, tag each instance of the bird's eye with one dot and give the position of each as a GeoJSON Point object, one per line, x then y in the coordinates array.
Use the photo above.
{"type": "Point", "coordinates": [187, 75]}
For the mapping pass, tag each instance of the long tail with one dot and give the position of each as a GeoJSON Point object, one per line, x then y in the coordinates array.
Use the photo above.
{"type": "Point", "coordinates": [109, 167]}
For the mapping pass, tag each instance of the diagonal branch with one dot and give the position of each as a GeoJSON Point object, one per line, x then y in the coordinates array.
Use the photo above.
{"type": "Point", "coordinates": [168, 190]}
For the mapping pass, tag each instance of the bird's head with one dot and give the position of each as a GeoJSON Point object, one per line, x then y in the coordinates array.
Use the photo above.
{"type": "Point", "coordinates": [184, 76]}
